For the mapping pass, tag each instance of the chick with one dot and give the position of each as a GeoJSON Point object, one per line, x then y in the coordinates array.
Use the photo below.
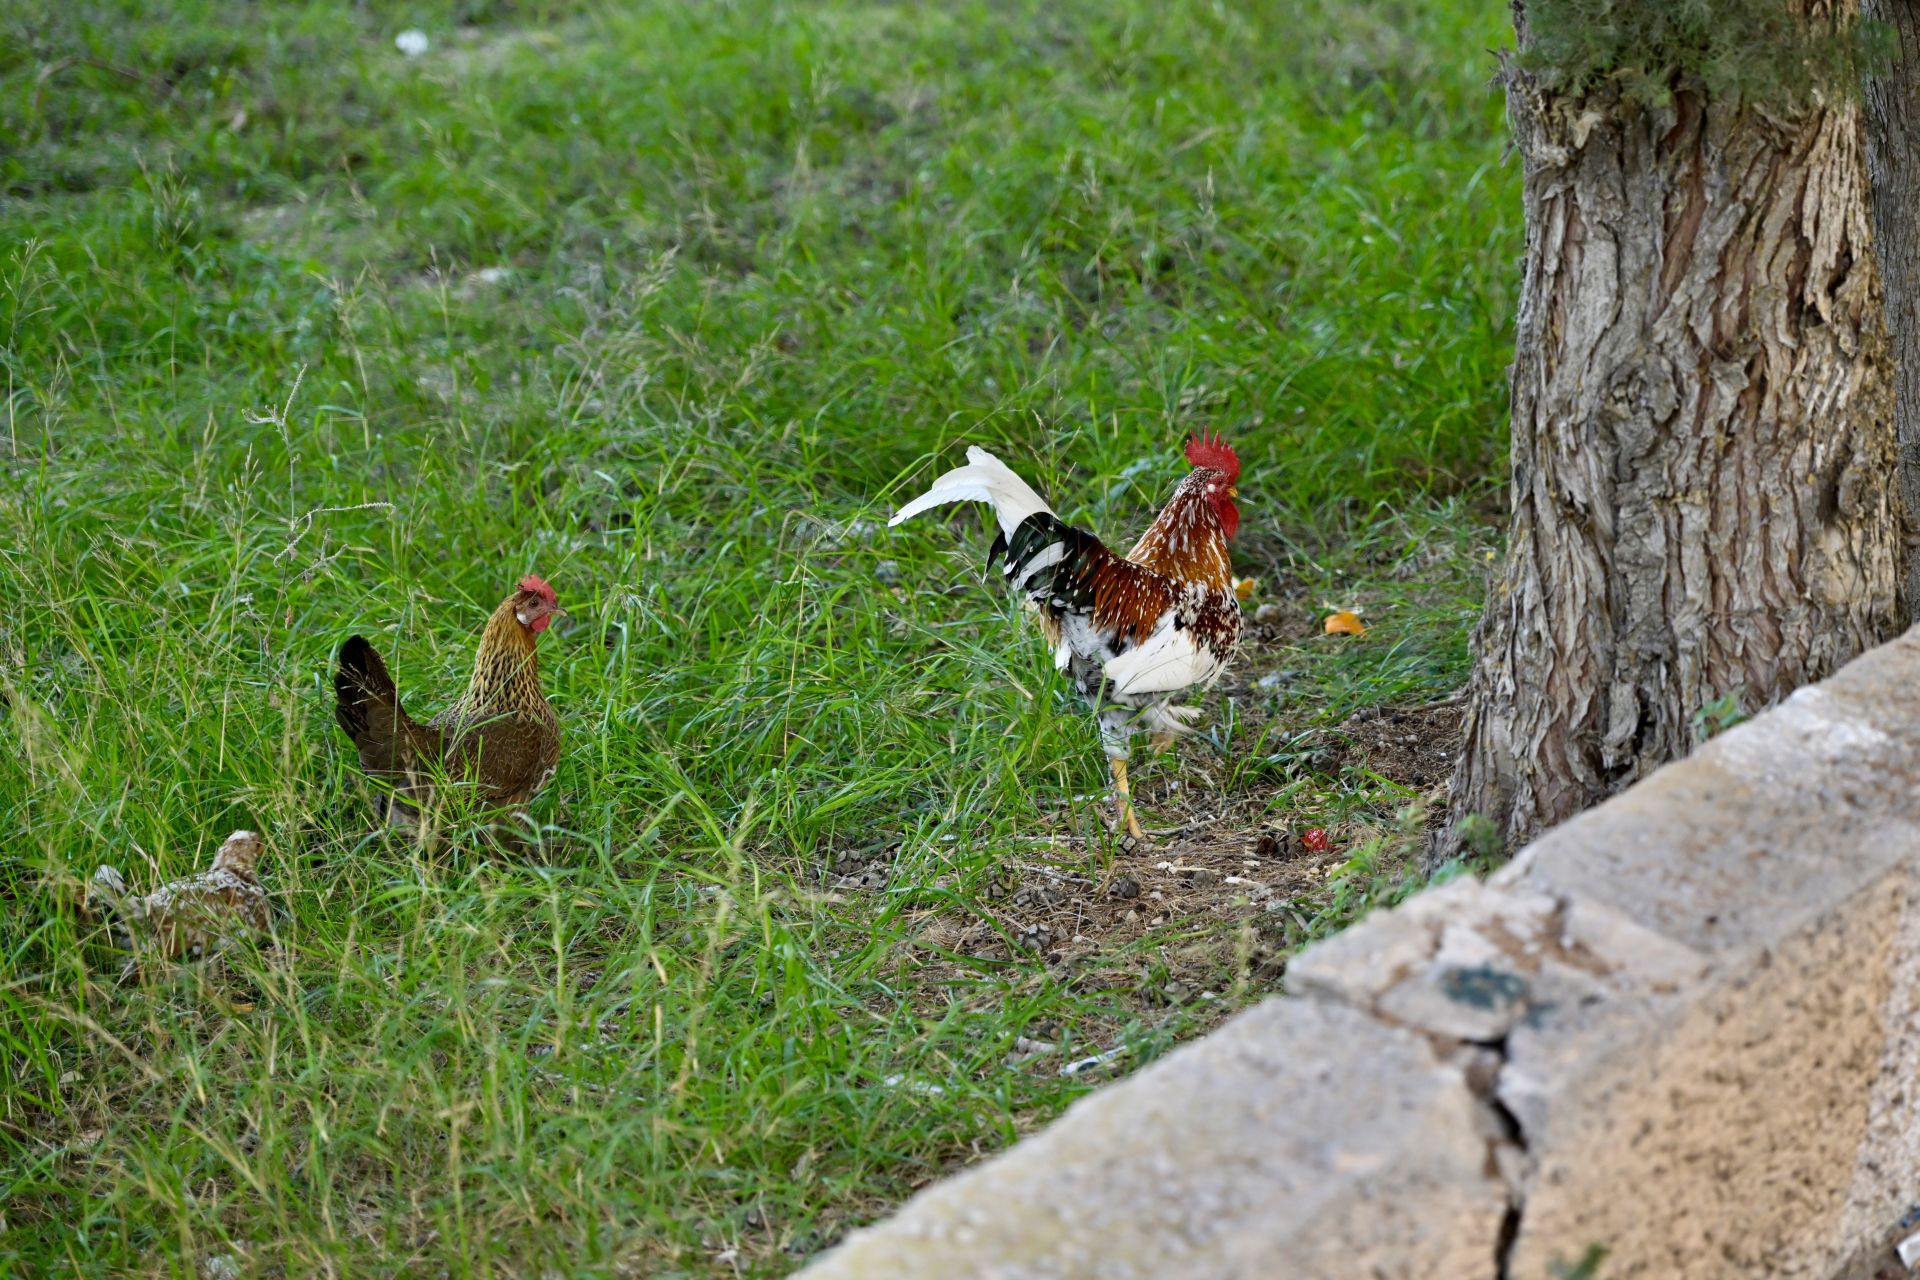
{"type": "Point", "coordinates": [189, 918]}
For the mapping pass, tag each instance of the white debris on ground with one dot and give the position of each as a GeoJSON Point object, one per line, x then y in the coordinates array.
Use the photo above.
{"type": "Point", "coordinates": [913, 1086]}
{"type": "Point", "coordinates": [1098, 1059]}
{"type": "Point", "coordinates": [1909, 1251]}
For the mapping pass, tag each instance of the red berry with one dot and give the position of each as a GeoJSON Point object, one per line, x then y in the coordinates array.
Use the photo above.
{"type": "Point", "coordinates": [1316, 840]}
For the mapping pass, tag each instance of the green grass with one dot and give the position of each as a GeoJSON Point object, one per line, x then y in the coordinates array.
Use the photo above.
{"type": "Point", "coordinates": [672, 303]}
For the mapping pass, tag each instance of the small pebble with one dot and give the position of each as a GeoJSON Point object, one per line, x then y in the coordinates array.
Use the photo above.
{"type": "Point", "coordinates": [837, 533]}
{"type": "Point", "coordinates": [1036, 937]}
{"type": "Point", "coordinates": [1268, 614]}
{"type": "Point", "coordinates": [1125, 887]}
{"type": "Point", "coordinates": [1201, 877]}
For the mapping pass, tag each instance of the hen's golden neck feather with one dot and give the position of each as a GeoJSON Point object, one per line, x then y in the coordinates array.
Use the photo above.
{"type": "Point", "coordinates": [506, 670]}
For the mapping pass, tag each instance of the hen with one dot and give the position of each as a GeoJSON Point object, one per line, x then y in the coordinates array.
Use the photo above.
{"type": "Point", "coordinates": [1131, 633]}
{"type": "Point", "coordinates": [194, 917]}
{"type": "Point", "coordinates": [501, 738]}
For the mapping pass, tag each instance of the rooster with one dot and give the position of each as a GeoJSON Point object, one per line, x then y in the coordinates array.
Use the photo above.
{"type": "Point", "coordinates": [194, 917]}
{"type": "Point", "coordinates": [1131, 633]}
{"type": "Point", "coordinates": [502, 736]}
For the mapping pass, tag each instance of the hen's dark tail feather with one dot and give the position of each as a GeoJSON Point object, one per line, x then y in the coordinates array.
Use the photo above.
{"type": "Point", "coordinates": [367, 704]}
{"type": "Point", "coordinates": [362, 688]}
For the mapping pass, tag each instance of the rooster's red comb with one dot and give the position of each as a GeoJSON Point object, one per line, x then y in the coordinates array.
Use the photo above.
{"type": "Point", "coordinates": [1214, 453]}
{"type": "Point", "coordinates": [538, 585]}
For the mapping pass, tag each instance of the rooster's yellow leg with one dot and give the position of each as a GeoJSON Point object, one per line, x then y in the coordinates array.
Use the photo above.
{"type": "Point", "coordinates": [1124, 798]}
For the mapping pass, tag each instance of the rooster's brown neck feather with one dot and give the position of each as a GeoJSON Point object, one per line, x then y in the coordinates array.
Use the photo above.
{"type": "Point", "coordinates": [1185, 541]}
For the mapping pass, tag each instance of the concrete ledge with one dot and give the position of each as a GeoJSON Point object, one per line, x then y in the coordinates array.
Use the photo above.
{"type": "Point", "coordinates": [1280, 1135]}
{"type": "Point", "coordinates": [1683, 1029]}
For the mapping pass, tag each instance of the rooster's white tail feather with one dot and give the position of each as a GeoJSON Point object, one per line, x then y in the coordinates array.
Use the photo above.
{"type": "Point", "coordinates": [984, 479]}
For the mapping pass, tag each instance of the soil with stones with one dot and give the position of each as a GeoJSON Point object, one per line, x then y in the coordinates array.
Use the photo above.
{"type": "Point", "coordinates": [1201, 919]}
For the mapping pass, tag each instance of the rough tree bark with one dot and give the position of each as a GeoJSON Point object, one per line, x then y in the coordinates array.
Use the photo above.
{"type": "Point", "coordinates": [1893, 164]}
{"type": "Point", "coordinates": [1704, 495]}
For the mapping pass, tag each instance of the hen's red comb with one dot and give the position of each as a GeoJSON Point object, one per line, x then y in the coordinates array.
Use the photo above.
{"type": "Point", "coordinates": [1214, 453]}
{"type": "Point", "coordinates": [538, 585]}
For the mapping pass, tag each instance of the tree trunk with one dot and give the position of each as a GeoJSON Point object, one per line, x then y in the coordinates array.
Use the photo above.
{"type": "Point", "coordinates": [1704, 494]}
{"type": "Point", "coordinates": [1893, 164]}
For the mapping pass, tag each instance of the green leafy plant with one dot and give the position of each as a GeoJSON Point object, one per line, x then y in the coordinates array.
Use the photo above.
{"type": "Point", "coordinates": [1719, 715]}
{"type": "Point", "coordinates": [1745, 50]}
{"type": "Point", "coordinates": [1587, 1268]}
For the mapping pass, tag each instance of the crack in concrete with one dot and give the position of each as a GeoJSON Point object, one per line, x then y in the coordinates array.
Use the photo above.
{"type": "Point", "coordinates": [1485, 1085]}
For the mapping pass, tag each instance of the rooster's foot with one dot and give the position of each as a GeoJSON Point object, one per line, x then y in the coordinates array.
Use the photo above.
{"type": "Point", "coordinates": [1124, 799]}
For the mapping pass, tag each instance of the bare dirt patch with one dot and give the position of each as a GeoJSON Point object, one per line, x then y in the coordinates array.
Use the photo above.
{"type": "Point", "coordinates": [1199, 922]}
{"type": "Point", "coordinates": [1413, 747]}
